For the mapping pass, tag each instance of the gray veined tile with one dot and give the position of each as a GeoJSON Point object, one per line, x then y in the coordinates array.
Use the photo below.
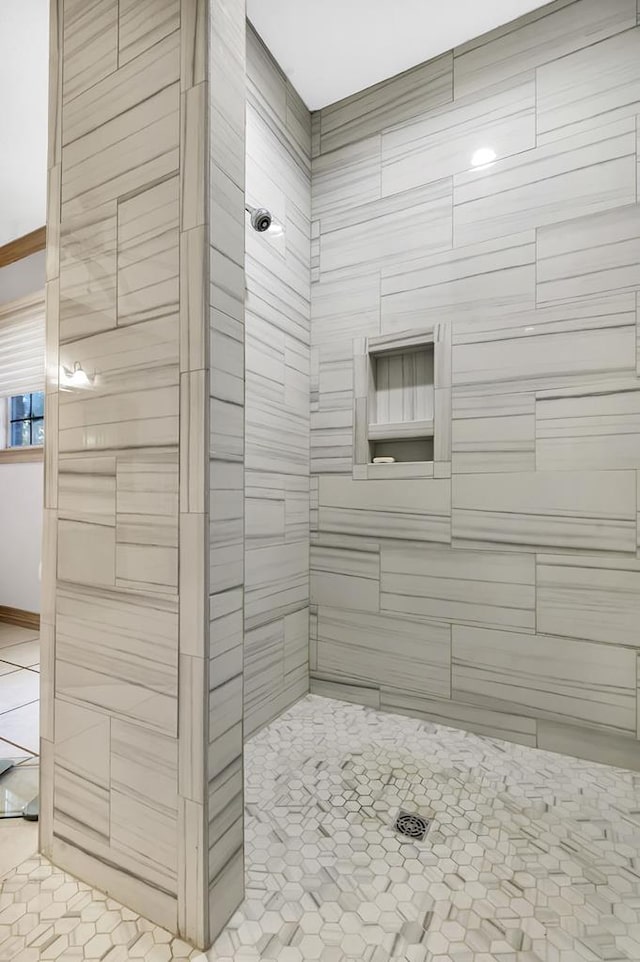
{"type": "Point", "coordinates": [90, 44]}
{"type": "Point", "coordinates": [123, 89]}
{"type": "Point", "coordinates": [277, 579]}
{"type": "Point", "coordinates": [441, 142]}
{"type": "Point", "coordinates": [344, 577]}
{"type": "Point", "coordinates": [598, 83]}
{"type": "Point", "coordinates": [493, 433]}
{"type": "Point", "coordinates": [544, 347]}
{"type": "Point", "coordinates": [88, 259]}
{"type": "Point", "coordinates": [148, 254]}
{"type": "Point", "coordinates": [587, 172]}
{"type": "Point", "coordinates": [545, 34]}
{"type": "Point", "coordinates": [588, 431]}
{"type": "Point", "coordinates": [143, 23]}
{"type": "Point", "coordinates": [566, 680]}
{"type": "Point", "coordinates": [390, 102]}
{"type": "Point", "coordinates": [590, 255]}
{"type": "Point", "coordinates": [122, 155]}
{"type": "Point", "coordinates": [389, 230]}
{"type": "Point", "coordinates": [586, 597]}
{"type": "Point", "coordinates": [582, 510]}
{"type": "Point", "coordinates": [418, 510]}
{"type": "Point", "coordinates": [491, 722]}
{"type": "Point", "coordinates": [408, 653]}
{"type": "Point", "coordinates": [455, 585]}
{"type": "Point", "coordinates": [345, 305]}
{"type": "Point", "coordinates": [343, 691]}
{"type": "Point", "coordinates": [87, 490]}
{"type": "Point", "coordinates": [490, 280]}
{"type": "Point", "coordinates": [86, 553]}
{"type": "Point", "coordinates": [347, 177]}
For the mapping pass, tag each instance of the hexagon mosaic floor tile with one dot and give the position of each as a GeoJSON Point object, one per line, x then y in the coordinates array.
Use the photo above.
{"type": "Point", "coordinates": [530, 857]}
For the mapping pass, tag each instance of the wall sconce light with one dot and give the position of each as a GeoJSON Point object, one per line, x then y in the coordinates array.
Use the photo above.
{"type": "Point", "coordinates": [76, 379]}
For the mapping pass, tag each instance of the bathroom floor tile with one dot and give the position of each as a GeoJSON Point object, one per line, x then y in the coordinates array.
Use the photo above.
{"type": "Point", "coordinates": [14, 635]}
{"type": "Point", "coordinates": [20, 727]}
{"type": "Point", "coordinates": [26, 654]}
{"type": "Point", "coordinates": [530, 856]}
{"type": "Point", "coordinates": [18, 688]}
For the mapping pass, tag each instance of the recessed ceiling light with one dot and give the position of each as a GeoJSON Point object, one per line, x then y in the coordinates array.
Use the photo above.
{"type": "Point", "coordinates": [483, 156]}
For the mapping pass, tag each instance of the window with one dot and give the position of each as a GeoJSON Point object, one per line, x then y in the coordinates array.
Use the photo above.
{"type": "Point", "coordinates": [26, 420]}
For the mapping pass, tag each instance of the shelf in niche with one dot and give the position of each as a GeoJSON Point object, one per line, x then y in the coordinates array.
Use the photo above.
{"type": "Point", "coordinates": [401, 430]}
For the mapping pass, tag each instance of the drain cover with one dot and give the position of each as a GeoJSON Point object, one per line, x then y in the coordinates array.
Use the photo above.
{"type": "Point", "coordinates": [411, 825]}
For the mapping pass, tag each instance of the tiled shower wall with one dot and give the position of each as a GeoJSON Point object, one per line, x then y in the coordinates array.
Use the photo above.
{"type": "Point", "coordinates": [501, 595]}
{"type": "Point", "coordinates": [278, 309]}
{"type": "Point", "coordinates": [141, 722]}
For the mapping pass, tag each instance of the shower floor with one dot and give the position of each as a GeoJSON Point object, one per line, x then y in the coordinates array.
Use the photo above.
{"type": "Point", "coordinates": [531, 857]}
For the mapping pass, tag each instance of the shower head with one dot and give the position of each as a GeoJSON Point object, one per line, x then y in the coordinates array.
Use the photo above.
{"type": "Point", "coordinates": [261, 218]}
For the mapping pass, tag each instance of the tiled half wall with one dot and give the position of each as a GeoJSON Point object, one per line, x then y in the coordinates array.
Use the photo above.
{"type": "Point", "coordinates": [503, 594]}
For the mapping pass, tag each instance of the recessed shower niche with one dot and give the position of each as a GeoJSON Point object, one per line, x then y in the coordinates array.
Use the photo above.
{"type": "Point", "coordinates": [402, 403]}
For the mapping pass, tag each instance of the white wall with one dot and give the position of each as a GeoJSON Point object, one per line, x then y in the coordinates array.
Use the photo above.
{"type": "Point", "coordinates": [20, 534]}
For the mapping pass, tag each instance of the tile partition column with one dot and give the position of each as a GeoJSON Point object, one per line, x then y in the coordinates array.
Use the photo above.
{"type": "Point", "coordinates": [141, 732]}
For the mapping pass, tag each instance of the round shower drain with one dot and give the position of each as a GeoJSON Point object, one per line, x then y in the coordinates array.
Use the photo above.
{"type": "Point", "coordinates": [412, 825]}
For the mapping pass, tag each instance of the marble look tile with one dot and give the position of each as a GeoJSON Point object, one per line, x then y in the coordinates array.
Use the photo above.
{"type": "Point", "coordinates": [193, 293]}
{"type": "Point", "coordinates": [343, 691]}
{"type": "Point", "coordinates": [88, 257]}
{"type": "Point", "coordinates": [390, 102]}
{"type": "Point", "coordinates": [87, 490]}
{"type": "Point", "coordinates": [81, 809]}
{"type": "Point", "coordinates": [561, 679]}
{"type": "Point", "coordinates": [587, 172]}
{"type": "Point", "coordinates": [345, 577]}
{"type": "Point", "coordinates": [86, 553]}
{"type": "Point", "coordinates": [589, 338]}
{"type": "Point", "coordinates": [141, 25]}
{"type": "Point", "coordinates": [123, 89]}
{"type": "Point", "coordinates": [90, 38]}
{"type": "Point", "coordinates": [347, 177]}
{"type": "Point", "coordinates": [277, 580]}
{"type": "Point", "coordinates": [545, 34]}
{"type": "Point", "coordinates": [493, 433]}
{"type": "Point", "coordinates": [597, 82]}
{"type": "Point", "coordinates": [588, 431]}
{"type": "Point", "coordinates": [356, 647]}
{"type": "Point", "coordinates": [389, 229]}
{"type": "Point", "coordinates": [488, 280]}
{"type": "Point", "coordinates": [586, 510]}
{"type": "Point", "coordinates": [118, 652]}
{"type": "Point", "coordinates": [148, 254]}
{"type": "Point", "coordinates": [144, 800]}
{"type": "Point", "coordinates": [441, 142]}
{"type": "Point", "coordinates": [226, 526]}
{"type": "Point", "coordinates": [420, 510]}
{"type": "Point", "coordinates": [591, 255]}
{"type": "Point", "coordinates": [454, 585]}
{"type": "Point", "coordinates": [601, 746]}
{"type": "Point", "coordinates": [586, 597]}
{"type": "Point", "coordinates": [122, 155]}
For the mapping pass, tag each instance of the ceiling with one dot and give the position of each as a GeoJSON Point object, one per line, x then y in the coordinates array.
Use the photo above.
{"type": "Point", "coordinates": [330, 49]}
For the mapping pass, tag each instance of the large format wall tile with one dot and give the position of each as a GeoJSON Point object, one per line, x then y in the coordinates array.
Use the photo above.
{"type": "Point", "coordinates": [591, 255]}
{"type": "Point", "coordinates": [538, 290]}
{"type": "Point", "coordinates": [557, 678]}
{"type": "Point", "coordinates": [546, 34]}
{"type": "Point", "coordinates": [585, 597]}
{"type": "Point", "coordinates": [441, 142]}
{"type": "Point", "coordinates": [564, 510]}
{"type": "Point", "coordinates": [589, 84]}
{"type": "Point", "coordinates": [580, 430]}
{"type": "Point", "coordinates": [410, 654]}
{"type": "Point", "coordinates": [590, 171]}
{"type": "Point", "coordinates": [458, 586]}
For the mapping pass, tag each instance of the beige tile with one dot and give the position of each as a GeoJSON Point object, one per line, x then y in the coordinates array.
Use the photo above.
{"type": "Point", "coordinates": [24, 655]}
{"type": "Point", "coordinates": [21, 726]}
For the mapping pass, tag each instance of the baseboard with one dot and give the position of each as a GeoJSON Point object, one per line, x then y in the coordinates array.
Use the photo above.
{"type": "Point", "coordinates": [17, 616]}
